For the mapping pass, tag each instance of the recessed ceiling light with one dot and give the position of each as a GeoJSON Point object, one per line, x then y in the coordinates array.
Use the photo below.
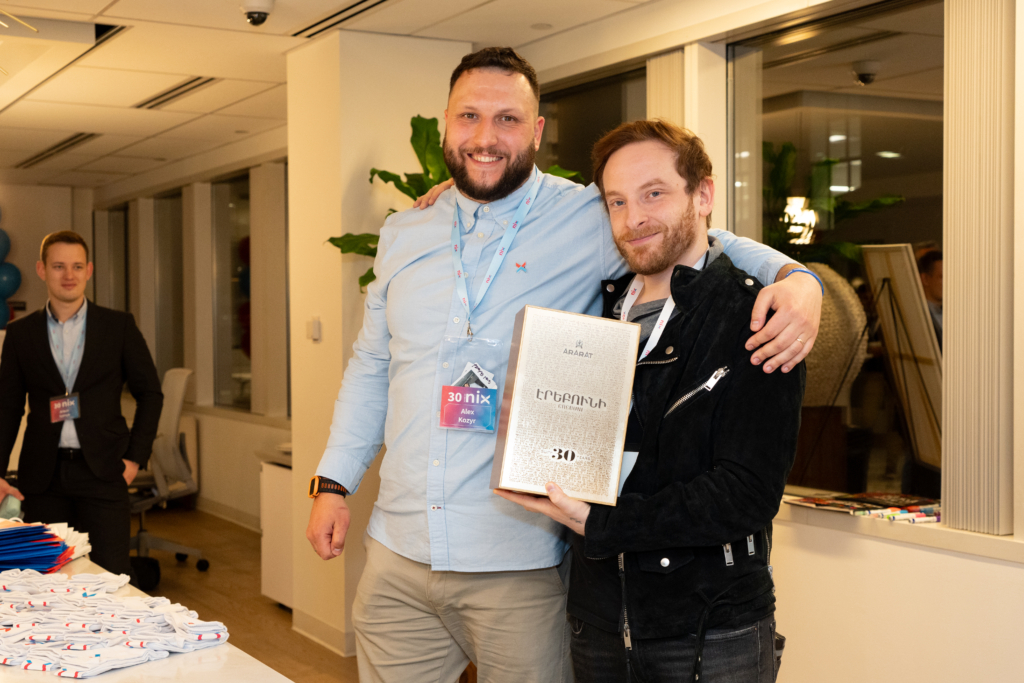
{"type": "Point", "coordinates": [889, 155]}
{"type": "Point", "coordinates": [836, 138]}
{"type": "Point", "coordinates": [541, 27]}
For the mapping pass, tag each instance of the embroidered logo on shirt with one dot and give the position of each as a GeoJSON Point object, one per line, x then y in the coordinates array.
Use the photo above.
{"type": "Point", "coordinates": [521, 267]}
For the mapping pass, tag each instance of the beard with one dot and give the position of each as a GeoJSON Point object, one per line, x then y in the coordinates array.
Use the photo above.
{"type": "Point", "coordinates": [517, 170]}
{"type": "Point", "coordinates": [677, 238]}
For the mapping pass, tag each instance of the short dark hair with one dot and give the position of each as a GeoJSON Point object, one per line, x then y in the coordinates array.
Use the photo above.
{"type": "Point", "coordinates": [503, 58]}
{"type": "Point", "coordinates": [692, 161]}
{"type": "Point", "coordinates": [62, 237]}
{"type": "Point", "coordinates": [928, 261]}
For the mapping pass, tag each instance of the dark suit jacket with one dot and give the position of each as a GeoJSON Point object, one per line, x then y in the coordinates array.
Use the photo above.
{"type": "Point", "coordinates": [115, 352]}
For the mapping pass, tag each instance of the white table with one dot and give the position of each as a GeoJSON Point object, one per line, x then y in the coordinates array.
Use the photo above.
{"type": "Point", "coordinates": [223, 664]}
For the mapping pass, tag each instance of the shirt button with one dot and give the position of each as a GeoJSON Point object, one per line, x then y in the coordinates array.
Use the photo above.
{"type": "Point", "coordinates": [436, 463]}
{"type": "Point", "coordinates": [505, 222]}
{"type": "Point", "coordinates": [610, 288]}
{"type": "Point", "coordinates": [444, 365]}
{"type": "Point", "coordinates": [487, 209]}
{"type": "Point", "coordinates": [455, 319]}
{"type": "Point", "coordinates": [670, 349]}
{"type": "Point", "coordinates": [664, 562]}
{"type": "Point", "coordinates": [748, 282]}
{"type": "Point", "coordinates": [480, 235]}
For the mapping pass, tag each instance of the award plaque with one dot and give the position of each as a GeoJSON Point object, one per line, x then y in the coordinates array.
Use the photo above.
{"type": "Point", "coordinates": [566, 403]}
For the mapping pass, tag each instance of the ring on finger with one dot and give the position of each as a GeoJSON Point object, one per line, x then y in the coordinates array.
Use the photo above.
{"type": "Point", "coordinates": [800, 340]}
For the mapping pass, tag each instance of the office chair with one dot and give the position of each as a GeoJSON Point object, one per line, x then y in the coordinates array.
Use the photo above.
{"type": "Point", "coordinates": [169, 475]}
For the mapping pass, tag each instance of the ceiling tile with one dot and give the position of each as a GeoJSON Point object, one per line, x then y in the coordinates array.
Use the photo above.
{"type": "Point", "coordinates": [170, 148]}
{"type": "Point", "coordinates": [84, 179]}
{"type": "Point", "coordinates": [287, 17]}
{"type": "Point", "coordinates": [926, 19]}
{"type": "Point", "coordinates": [106, 144]}
{"type": "Point", "coordinates": [107, 87]}
{"type": "Point", "coordinates": [120, 164]}
{"type": "Point", "coordinates": [29, 139]}
{"type": "Point", "coordinates": [272, 104]}
{"type": "Point", "coordinates": [81, 6]}
{"type": "Point", "coordinates": [90, 118]}
{"type": "Point", "coordinates": [218, 95]}
{"type": "Point", "coordinates": [64, 162]}
{"type": "Point", "coordinates": [404, 17]}
{"type": "Point", "coordinates": [166, 48]}
{"type": "Point", "coordinates": [510, 22]}
{"type": "Point", "coordinates": [224, 128]}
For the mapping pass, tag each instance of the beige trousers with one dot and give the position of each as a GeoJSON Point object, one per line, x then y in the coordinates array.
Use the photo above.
{"type": "Point", "coordinates": [415, 625]}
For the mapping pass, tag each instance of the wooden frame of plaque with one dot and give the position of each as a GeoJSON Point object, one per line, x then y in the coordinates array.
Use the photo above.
{"type": "Point", "coordinates": [566, 404]}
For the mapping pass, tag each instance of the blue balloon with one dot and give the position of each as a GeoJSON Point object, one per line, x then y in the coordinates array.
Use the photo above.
{"type": "Point", "coordinates": [5, 314]}
{"type": "Point", "coordinates": [10, 280]}
{"type": "Point", "coordinates": [5, 245]}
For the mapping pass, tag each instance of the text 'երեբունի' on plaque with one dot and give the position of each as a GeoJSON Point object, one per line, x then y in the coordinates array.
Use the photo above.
{"type": "Point", "coordinates": [566, 404]}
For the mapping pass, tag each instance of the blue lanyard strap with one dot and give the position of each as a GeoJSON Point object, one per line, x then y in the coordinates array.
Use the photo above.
{"type": "Point", "coordinates": [499, 256]}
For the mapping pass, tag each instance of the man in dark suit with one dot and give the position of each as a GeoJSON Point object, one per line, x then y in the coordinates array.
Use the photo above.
{"type": "Point", "coordinates": [78, 456]}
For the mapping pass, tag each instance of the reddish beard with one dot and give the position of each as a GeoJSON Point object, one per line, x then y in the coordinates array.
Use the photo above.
{"type": "Point", "coordinates": [676, 239]}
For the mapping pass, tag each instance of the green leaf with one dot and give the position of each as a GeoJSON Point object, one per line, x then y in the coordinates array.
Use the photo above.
{"type": "Point", "coordinates": [364, 244]}
{"type": "Point", "coordinates": [389, 177]}
{"type": "Point", "coordinates": [575, 176]}
{"type": "Point", "coordinates": [419, 183]}
{"type": "Point", "coordinates": [367, 277]}
{"type": "Point", "coordinates": [425, 136]}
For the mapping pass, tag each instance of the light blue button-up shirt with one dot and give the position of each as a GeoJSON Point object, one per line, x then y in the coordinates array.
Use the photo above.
{"type": "Point", "coordinates": [67, 341]}
{"type": "Point", "coordinates": [435, 504]}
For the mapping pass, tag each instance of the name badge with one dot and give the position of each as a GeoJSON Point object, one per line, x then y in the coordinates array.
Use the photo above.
{"type": "Point", "coordinates": [64, 408]}
{"type": "Point", "coordinates": [471, 408]}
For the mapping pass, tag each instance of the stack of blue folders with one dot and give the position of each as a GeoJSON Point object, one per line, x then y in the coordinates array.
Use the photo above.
{"type": "Point", "coordinates": [31, 546]}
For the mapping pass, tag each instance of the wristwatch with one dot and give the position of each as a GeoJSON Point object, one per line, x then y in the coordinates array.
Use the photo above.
{"type": "Point", "coordinates": [318, 485]}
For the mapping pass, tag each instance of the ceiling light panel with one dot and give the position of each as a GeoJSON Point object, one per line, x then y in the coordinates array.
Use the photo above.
{"type": "Point", "coordinates": [105, 87]}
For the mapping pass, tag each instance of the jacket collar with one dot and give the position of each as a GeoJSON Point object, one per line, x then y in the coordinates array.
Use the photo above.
{"type": "Point", "coordinates": [690, 286]}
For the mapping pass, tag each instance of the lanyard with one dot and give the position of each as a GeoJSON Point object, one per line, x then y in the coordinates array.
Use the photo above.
{"type": "Point", "coordinates": [499, 256]}
{"type": "Point", "coordinates": [635, 287]}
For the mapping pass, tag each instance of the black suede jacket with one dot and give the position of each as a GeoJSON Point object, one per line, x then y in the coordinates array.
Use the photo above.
{"type": "Point", "coordinates": [711, 470]}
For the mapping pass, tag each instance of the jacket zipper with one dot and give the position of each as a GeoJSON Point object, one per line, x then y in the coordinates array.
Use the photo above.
{"type": "Point", "coordinates": [707, 386]}
{"type": "Point", "coordinates": [625, 614]}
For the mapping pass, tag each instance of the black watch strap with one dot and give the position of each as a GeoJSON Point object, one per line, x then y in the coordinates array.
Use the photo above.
{"type": "Point", "coordinates": [318, 485]}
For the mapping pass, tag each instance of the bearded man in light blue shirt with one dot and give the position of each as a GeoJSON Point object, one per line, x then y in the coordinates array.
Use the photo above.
{"type": "Point", "coordinates": [455, 573]}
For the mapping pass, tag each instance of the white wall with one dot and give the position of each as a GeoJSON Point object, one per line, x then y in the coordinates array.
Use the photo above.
{"type": "Point", "coordinates": [856, 609]}
{"type": "Point", "coordinates": [229, 472]}
{"type": "Point", "coordinates": [350, 98]}
{"type": "Point", "coordinates": [28, 213]}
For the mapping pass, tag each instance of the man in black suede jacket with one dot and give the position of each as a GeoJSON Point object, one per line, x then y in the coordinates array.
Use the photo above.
{"type": "Point", "coordinates": [674, 582]}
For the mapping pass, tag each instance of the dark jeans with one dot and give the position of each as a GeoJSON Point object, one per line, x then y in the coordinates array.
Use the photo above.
{"type": "Point", "coordinates": [743, 655]}
{"type": "Point", "coordinates": [99, 508]}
